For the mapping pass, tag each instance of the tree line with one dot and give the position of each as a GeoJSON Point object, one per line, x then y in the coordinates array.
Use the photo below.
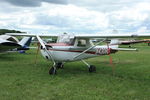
{"type": "Point", "coordinates": [3, 31]}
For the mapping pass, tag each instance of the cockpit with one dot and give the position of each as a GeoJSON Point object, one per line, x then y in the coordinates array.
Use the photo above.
{"type": "Point", "coordinates": [66, 38]}
{"type": "Point", "coordinates": [71, 40]}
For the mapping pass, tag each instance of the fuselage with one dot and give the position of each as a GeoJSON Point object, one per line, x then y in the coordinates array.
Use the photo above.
{"type": "Point", "coordinates": [68, 48]}
{"type": "Point", "coordinates": [66, 53]}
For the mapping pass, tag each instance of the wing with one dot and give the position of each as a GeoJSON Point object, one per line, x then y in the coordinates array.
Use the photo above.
{"type": "Point", "coordinates": [33, 34]}
{"type": "Point", "coordinates": [123, 35]}
{"type": "Point", "coordinates": [8, 45]}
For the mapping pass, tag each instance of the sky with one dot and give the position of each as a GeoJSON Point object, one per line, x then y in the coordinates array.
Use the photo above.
{"type": "Point", "coordinates": [76, 16]}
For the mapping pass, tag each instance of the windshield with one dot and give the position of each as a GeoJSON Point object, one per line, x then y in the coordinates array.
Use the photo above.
{"type": "Point", "coordinates": [66, 38]}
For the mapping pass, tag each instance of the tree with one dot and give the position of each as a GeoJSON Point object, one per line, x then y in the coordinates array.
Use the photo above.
{"type": "Point", "coordinates": [3, 31]}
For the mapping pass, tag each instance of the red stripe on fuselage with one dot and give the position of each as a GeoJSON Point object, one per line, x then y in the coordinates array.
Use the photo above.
{"type": "Point", "coordinates": [89, 52]}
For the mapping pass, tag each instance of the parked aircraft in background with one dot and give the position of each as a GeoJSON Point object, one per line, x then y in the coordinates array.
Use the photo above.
{"type": "Point", "coordinates": [128, 42]}
{"type": "Point", "coordinates": [78, 47]}
{"type": "Point", "coordinates": [10, 43]}
{"type": "Point", "coordinates": [147, 41]}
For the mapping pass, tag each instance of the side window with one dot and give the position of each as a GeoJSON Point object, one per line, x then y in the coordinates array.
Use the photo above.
{"type": "Point", "coordinates": [81, 43]}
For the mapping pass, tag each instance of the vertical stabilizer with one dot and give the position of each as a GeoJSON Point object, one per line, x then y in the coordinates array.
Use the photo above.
{"type": "Point", "coordinates": [114, 42]}
{"type": "Point", "coordinates": [25, 42]}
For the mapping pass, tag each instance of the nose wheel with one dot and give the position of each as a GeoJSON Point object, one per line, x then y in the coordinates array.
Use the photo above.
{"type": "Point", "coordinates": [58, 65]}
{"type": "Point", "coordinates": [52, 71]}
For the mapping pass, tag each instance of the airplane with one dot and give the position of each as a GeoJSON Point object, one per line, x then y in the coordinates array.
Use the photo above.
{"type": "Point", "coordinates": [147, 41]}
{"type": "Point", "coordinates": [128, 42]}
{"type": "Point", "coordinates": [78, 47]}
{"type": "Point", "coordinates": [10, 43]}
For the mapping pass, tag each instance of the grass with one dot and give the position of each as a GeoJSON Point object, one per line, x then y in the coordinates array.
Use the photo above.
{"type": "Point", "coordinates": [21, 79]}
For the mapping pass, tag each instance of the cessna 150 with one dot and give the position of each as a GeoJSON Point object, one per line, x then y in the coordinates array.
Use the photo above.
{"type": "Point", "coordinates": [78, 47]}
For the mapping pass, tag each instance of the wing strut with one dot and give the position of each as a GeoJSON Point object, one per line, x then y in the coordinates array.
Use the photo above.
{"type": "Point", "coordinates": [44, 47]}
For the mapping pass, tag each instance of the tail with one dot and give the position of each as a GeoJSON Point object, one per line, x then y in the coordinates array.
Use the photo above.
{"type": "Point", "coordinates": [115, 46]}
{"type": "Point", "coordinates": [25, 43]}
{"type": "Point", "coordinates": [114, 42]}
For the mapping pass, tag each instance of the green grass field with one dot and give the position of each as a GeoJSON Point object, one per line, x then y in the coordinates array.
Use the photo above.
{"type": "Point", "coordinates": [21, 79]}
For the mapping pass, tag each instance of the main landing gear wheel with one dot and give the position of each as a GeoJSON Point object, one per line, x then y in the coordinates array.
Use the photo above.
{"type": "Point", "coordinates": [52, 71]}
{"type": "Point", "coordinates": [92, 68]}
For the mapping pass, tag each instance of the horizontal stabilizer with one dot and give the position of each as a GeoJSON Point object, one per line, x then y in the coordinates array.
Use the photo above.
{"type": "Point", "coordinates": [124, 49]}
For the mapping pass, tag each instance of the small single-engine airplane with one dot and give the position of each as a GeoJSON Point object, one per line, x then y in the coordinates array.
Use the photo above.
{"type": "Point", "coordinates": [128, 42]}
{"type": "Point", "coordinates": [147, 41]}
{"type": "Point", "coordinates": [78, 47]}
{"type": "Point", "coordinates": [10, 43]}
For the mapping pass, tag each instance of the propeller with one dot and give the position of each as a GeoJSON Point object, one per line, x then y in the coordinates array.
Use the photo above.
{"type": "Point", "coordinates": [38, 44]}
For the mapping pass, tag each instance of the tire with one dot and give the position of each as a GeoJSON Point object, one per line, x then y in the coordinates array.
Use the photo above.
{"type": "Point", "coordinates": [52, 71]}
{"type": "Point", "coordinates": [92, 68]}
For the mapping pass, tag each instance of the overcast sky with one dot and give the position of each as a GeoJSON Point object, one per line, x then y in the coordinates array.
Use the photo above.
{"type": "Point", "coordinates": [75, 16]}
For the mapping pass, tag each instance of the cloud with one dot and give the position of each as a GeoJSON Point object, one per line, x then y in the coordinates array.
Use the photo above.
{"type": "Point", "coordinates": [142, 30]}
{"type": "Point", "coordinates": [78, 17]}
{"type": "Point", "coordinates": [33, 3]}
{"type": "Point", "coordinates": [74, 18]}
{"type": "Point", "coordinates": [106, 5]}
{"type": "Point", "coordinates": [131, 18]}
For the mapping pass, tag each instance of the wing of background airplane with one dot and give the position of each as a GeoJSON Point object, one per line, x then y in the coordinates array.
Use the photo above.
{"type": "Point", "coordinates": [125, 42]}
{"type": "Point", "coordinates": [132, 42]}
{"type": "Point", "coordinates": [8, 45]}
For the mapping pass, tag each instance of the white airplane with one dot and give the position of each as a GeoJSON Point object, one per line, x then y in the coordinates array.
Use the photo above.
{"type": "Point", "coordinates": [10, 43]}
{"type": "Point", "coordinates": [128, 42]}
{"type": "Point", "coordinates": [78, 47]}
